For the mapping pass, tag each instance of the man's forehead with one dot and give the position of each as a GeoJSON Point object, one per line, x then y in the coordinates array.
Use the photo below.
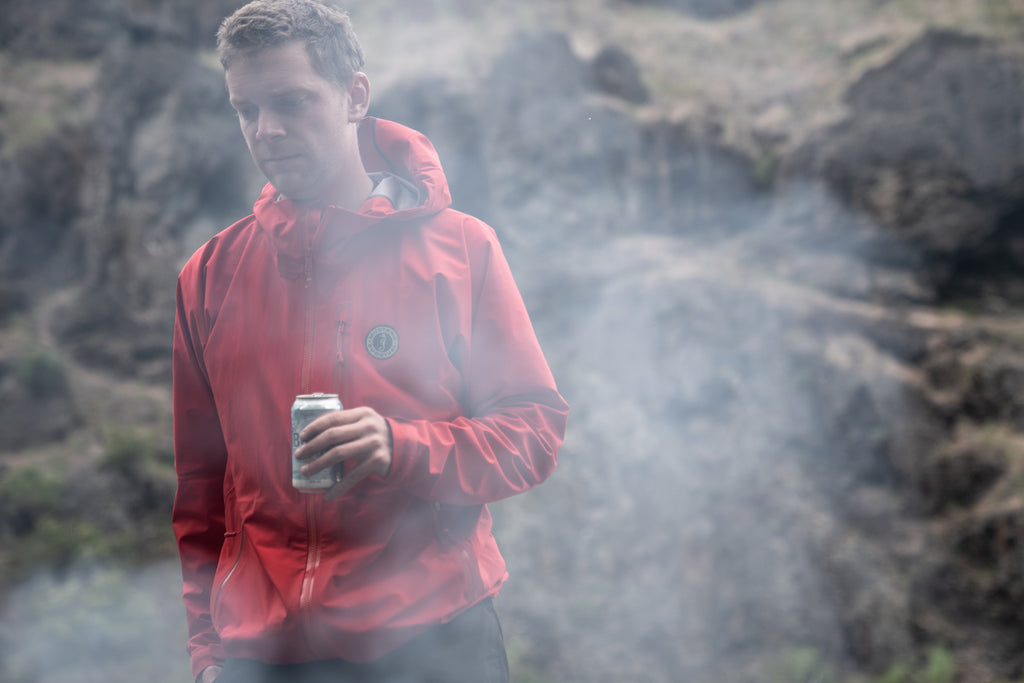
{"type": "Point", "coordinates": [272, 70]}
{"type": "Point", "coordinates": [278, 60]}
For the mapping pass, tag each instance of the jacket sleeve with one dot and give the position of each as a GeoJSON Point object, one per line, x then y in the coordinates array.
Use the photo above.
{"type": "Point", "coordinates": [199, 461]}
{"type": "Point", "coordinates": [508, 440]}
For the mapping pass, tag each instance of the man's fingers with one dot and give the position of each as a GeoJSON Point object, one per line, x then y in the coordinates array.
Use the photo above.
{"type": "Point", "coordinates": [363, 445]}
{"type": "Point", "coordinates": [325, 440]}
{"type": "Point", "coordinates": [328, 456]}
{"type": "Point", "coordinates": [360, 434]}
{"type": "Point", "coordinates": [334, 419]}
{"type": "Point", "coordinates": [327, 421]}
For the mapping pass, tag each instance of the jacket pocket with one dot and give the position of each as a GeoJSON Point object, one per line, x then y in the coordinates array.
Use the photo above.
{"type": "Point", "coordinates": [245, 602]}
{"type": "Point", "coordinates": [233, 541]}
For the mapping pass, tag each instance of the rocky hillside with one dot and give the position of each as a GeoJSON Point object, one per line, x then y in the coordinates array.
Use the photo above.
{"type": "Point", "coordinates": [775, 254]}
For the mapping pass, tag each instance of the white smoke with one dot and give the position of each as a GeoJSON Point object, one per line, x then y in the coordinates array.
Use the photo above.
{"type": "Point", "coordinates": [96, 624]}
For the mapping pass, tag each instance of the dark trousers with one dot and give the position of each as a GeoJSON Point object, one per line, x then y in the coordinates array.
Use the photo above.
{"type": "Point", "coordinates": [468, 649]}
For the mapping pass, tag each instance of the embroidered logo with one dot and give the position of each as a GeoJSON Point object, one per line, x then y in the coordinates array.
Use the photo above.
{"type": "Point", "coordinates": [382, 342]}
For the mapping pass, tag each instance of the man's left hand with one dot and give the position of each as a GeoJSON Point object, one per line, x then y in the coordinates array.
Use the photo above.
{"type": "Point", "coordinates": [361, 435]}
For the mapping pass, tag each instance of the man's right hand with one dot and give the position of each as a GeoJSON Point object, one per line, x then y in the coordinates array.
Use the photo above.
{"type": "Point", "coordinates": [209, 674]}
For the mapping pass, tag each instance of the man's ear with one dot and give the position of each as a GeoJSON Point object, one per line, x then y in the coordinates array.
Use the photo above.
{"type": "Point", "coordinates": [359, 96]}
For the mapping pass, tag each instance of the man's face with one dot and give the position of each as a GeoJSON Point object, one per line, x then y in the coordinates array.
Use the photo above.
{"type": "Point", "coordinates": [296, 122]}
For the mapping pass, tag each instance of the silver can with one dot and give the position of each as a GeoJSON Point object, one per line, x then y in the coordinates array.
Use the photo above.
{"type": "Point", "coordinates": [307, 408]}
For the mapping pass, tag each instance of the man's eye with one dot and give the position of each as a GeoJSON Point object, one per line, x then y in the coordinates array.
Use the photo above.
{"type": "Point", "coordinates": [291, 103]}
{"type": "Point", "coordinates": [247, 113]}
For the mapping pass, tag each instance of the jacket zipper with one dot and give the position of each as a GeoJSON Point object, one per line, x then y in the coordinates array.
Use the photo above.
{"type": "Point", "coordinates": [307, 356]}
{"type": "Point", "coordinates": [231, 572]}
{"type": "Point", "coordinates": [312, 564]}
{"type": "Point", "coordinates": [311, 502]}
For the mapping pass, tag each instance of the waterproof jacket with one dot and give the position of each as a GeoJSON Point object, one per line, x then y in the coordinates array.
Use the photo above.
{"type": "Point", "coordinates": [406, 306]}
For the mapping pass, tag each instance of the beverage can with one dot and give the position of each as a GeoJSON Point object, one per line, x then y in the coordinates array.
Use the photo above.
{"type": "Point", "coordinates": [308, 407]}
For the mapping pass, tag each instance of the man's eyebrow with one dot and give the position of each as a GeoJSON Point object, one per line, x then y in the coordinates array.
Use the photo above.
{"type": "Point", "coordinates": [277, 94]}
{"type": "Point", "coordinates": [291, 92]}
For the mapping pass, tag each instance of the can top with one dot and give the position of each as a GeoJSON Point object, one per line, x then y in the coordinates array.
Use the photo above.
{"type": "Point", "coordinates": [315, 397]}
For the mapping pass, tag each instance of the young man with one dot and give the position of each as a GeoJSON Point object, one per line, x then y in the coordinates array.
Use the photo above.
{"type": "Point", "coordinates": [352, 277]}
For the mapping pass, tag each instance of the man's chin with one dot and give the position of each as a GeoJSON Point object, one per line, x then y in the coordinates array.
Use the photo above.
{"type": "Point", "coordinates": [295, 191]}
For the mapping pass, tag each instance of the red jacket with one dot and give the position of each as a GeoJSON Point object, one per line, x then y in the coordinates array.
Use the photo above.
{"type": "Point", "coordinates": [409, 310]}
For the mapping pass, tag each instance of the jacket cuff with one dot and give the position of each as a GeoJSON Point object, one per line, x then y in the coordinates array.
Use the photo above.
{"type": "Point", "coordinates": [404, 449]}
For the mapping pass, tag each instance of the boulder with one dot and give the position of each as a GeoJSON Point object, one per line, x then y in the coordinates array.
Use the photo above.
{"type": "Point", "coordinates": [933, 149]}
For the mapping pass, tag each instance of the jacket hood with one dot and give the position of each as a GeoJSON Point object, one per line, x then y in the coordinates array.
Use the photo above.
{"type": "Point", "coordinates": [409, 183]}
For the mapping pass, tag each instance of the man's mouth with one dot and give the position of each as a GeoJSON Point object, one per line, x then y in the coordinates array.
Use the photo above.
{"type": "Point", "coordinates": [282, 159]}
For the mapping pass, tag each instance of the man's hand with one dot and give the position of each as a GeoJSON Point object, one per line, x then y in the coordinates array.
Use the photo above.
{"type": "Point", "coordinates": [209, 674]}
{"type": "Point", "coordinates": [359, 434]}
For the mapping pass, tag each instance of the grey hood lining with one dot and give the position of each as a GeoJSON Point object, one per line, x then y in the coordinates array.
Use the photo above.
{"type": "Point", "coordinates": [400, 192]}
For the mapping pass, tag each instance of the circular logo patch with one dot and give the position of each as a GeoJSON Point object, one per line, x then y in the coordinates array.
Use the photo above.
{"type": "Point", "coordinates": [382, 342]}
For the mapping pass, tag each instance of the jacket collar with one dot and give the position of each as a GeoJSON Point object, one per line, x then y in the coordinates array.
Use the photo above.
{"type": "Point", "coordinates": [408, 180]}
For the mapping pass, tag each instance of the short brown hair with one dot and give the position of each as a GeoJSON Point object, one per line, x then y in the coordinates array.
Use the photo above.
{"type": "Point", "coordinates": [334, 50]}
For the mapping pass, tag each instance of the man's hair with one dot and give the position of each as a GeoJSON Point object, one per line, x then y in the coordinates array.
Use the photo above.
{"type": "Point", "coordinates": [333, 48]}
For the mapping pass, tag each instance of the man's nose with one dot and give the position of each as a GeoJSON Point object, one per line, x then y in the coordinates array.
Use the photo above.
{"type": "Point", "coordinates": [269, 126]}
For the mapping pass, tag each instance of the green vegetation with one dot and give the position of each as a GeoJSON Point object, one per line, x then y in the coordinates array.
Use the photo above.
{"type": "Point", "coordinates": [56, 541]}
{"type": "Point", "coordinates": [763, 170]}
{"type": "Point", "coordinates": [42, 374]}
{"type": "Point", "coordinates": [46, 522]}
{"type": "Point", "coordinates": [519, 670]}
{"type": "Point", "coordinates": [940, 667]}
{"type": "Point", "coordinates": [129, 451]}
{"type": "Point", "coordinates": [34, 528]}
{"type": "Point", "coordinates": [527, 675]}
{"type": "Point", "coordinates": [802, 665]}
{"type": "Point", "coordinates": [806, 665]}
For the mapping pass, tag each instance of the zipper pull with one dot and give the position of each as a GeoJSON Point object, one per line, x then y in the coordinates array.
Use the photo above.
{"type": "Point", "coordinates": [341, 341]}
{"type": "Point", "coordinates": [307, 268]}
{"type": "Point", "coordinates": [308, 265]}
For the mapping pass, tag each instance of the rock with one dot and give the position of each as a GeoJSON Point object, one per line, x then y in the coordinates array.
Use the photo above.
{"type": "Point", "coordinates": [996, 387]}
{"type": "Point", "coordinates": [961, 473]}
{"type": "Point", "coordinates": [614, 72]}
{"type": "Point", "coordinates": [68, 29]}
{"type": "Point", "coordinates": [85, 29]}
{"type": "Point", "coordinates": [36, 405]}
{"type": "Point", "coordinates": [41, 206]}
{"type": "Point", "coordinates": [451, 120]}
{"type": "Point", "coordinates": [169, 170]}
{"type": "Point", "coordinates": [776, 439]}
{"type": "Point", "coordinates": [705, 9]}
{"type": "Point", "coordinates": [934, 149]}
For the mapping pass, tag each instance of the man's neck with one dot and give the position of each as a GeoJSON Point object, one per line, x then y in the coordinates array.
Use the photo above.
{"type": "Point", "coordinates": [350, 194]}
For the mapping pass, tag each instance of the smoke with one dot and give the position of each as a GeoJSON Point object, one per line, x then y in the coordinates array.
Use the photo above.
{"type": "Point", "coordinates": [733, 407]}
{"type": "Point", "coordinates": [95, 624]}
{"type": "Point", "coordinates": [718, 390]}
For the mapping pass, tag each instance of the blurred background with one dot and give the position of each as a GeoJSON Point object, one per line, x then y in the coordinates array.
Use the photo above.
{"type": "Point", "coordinates": [773, 249]}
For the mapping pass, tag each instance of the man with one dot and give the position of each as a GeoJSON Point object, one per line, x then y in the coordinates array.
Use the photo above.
{"type": "Point", "coordinates": [352, 277]}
